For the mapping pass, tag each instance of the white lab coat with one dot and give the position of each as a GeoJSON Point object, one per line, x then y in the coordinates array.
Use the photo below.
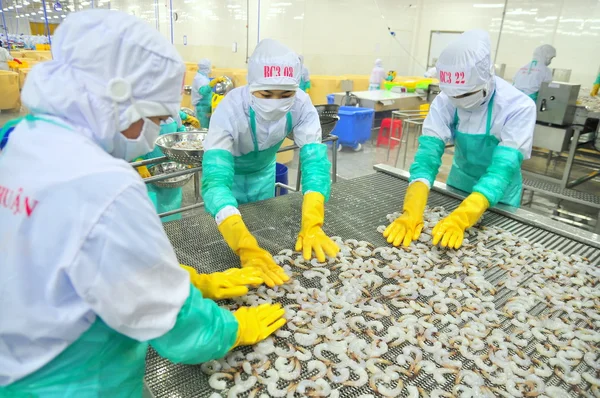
{"type": "Point", "coordinates": [4, 58]}
{"type": "Point", "coordinates": [230, 124]}
{"type": "Point", "coordinates": [199, 81]}
{"type": "Point", "coordinates": [513, 118]}
{"type": "Point", "coordinates": [230, 129]}
{"type": "Point", "coordinates": [530, 77]}
{"type": "Point", "coordinates": [377, 75]}
{"type": "Point", "coordinates": [92, 244]}
{"type": "Point", "coordinates": [79, 236]}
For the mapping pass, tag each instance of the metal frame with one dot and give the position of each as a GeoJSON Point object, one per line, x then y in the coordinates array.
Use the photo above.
{"type": "Point", "coordinates": [431, 32]}
{"type": "Point", "coordinates": [521, 215]}
{"type": "Point", "coordinates": [408, 118]}
{"type": "Point", "coordinates": [196, 171]}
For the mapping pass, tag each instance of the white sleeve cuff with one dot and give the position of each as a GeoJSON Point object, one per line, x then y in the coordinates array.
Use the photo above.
{"type": "Point", "coordinates": [226, 212]}
{"type": "Point", "coordinates": [423, 180]}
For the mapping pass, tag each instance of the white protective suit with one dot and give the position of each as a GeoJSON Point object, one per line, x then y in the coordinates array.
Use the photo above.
{"type": "Point", "coordinates": [530, 77]}
{"type": "Point", "coordinates": [80, 241]}
{"type": "Point", "coordinates": [431, 73]}
{"type": "Point", "coordinates": [466, 67]}
{"type": "Point", "coordinates": [4, 58]}
{"type": "Point", "coordinates": [377, 75]}
{"type": "Point", "coordinates": [230, 127]}
{"type": "Point", "coordinates": [200, 80]}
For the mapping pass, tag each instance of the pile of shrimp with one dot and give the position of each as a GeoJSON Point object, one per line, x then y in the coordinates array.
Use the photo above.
{"type": "Point", "coordinates": [426, 322]}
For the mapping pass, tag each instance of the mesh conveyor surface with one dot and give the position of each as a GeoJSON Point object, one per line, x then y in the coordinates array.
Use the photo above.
{"type": "Point", "coordinates": [355, 210]}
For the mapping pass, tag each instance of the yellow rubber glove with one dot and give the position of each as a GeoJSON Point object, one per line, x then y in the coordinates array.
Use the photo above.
{"type": "Point", "coordinates": [595, 89]}
{"type": "Point", "coordinates": [311, 237]}
{"type": "Point", "coordinates": [222, 285]}
{"type": "Point", "coordinates": [408, 226]}
{"type": "Point", "coordinates": [241, 241]}
{"type": "Point", "coordinates": [193, 121]}
{"type": "Point", "coordinates": [257, 323]}
{"type": "Point", "coordinates": [216, 80]}
{"type": "Point", "coordinates": [308, 91]}
{"type": "Point", "coordinates": [451, 230]}
{"type": "Point", "coordinates": [143, 172]}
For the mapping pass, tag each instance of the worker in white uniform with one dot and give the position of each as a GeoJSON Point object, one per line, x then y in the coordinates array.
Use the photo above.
{"type": "Point", "coordinates": [491, 125]}
{"type": "Point", "coordinates": [4, 58]}
{"type": "Point", "coordinates": [202, 93]}
{"type": "Point", "coordinates": [530, 77]}
{"type": "Point", "coordinates": [245, 133]}
{"type": "Point", "coordinates": [304, 77]}
{"type": "Point", "coordinates": [88, 278]}
{"type": "Point", "coordinates": [377, 76]}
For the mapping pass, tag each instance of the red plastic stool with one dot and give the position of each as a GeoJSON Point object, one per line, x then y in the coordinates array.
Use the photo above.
{"type": "Point", "coordinates": [384, 132]}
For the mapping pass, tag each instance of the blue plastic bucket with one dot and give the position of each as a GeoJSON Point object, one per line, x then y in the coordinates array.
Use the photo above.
{"type": "Point", "coordinates": [331, 99]}
{"type": "Point", "coordinates": [281, 175]}
{"type": "Point", "coordinates": [354, 126]}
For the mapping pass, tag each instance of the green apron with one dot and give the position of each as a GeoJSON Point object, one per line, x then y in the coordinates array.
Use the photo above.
{"type": "Point", "coordinates": [472, 157]}
{"type": "Point", "coordinates": [304, 84]}
{"type": "Point", "coordinates": [254, 177]}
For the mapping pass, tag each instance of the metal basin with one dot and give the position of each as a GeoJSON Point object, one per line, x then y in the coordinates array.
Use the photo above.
{"type": "Point", "coordinates": [193, 155]}
{"type": "Point", "coordinates": [167, 168]}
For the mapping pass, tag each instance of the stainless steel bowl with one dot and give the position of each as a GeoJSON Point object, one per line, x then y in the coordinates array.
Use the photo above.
{"type": "Point", "coordinates": [180, 155]}
{"type": "Point", "coordinates": [188, 111]}
{"type": "Point", "coordinates": [167, 168]}
{"type": "Point", "coordinates": [223, 88]}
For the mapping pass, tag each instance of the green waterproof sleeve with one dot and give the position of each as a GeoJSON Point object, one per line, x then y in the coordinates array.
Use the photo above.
{"type": "Point", "coordinates": [217, 180]}
{"type": "Point", "coordinates": [505, 163]}
{"type": "Point", "coordinates": [428, 159]}
{"type": "Point", "coordinates": [597, 79]}
{"type": "Point", "coordinates": [316, 169]}
{"type": "Point", "coordinates": [183, 116]}
{"type": "Point", "coordinates": [203, 331]}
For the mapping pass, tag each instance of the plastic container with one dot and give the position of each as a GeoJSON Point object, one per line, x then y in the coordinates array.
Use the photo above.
{"type": "Point", "coordinates": [331, 99]}
{"type": "Point", "coordinates": [281, 175]}
{"type": "Point", "coordinates": [354, 126]}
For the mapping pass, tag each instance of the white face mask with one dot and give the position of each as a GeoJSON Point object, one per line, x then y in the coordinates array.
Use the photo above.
{"type": "Point", "coordinates": [470, 102]}
{"type": "Point", "coordinates": [129, 149]}
{"type": "Point", "coordinates": [271, 109]}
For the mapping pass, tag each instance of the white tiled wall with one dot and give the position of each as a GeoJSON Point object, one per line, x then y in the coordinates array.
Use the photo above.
{"type": "Point", "coordinates": [346, 36]}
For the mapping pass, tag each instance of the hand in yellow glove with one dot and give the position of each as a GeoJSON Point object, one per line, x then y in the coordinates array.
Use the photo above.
{"type": "Point", "coordinates": [143, 172]}
{"type": "Point", "coordinates": [241, 241]}
{"type": "Point", "coordinates": [408, 226]}
{"type": "Point", "coordinates": [227, 284]}
{"type": "Point", "coordinates": [311, 237]}
{"type": "Point", "coordinates": [257, 323]}
{"type": "Point", "coordinates": [216, 80]}
{"type": "Point", "coordinates": [595, 89]}
{"type": "Point", "coordinates": [451, 230]}
{"type": "Point", "coordinates": [193, 121]}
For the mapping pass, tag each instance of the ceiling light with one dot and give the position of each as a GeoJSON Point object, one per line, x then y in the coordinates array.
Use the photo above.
{"type": "Point", "coordinates": [18, 6]}
{"type": "Point", "coordinates": [493, 5]}
{"type": "Point", "coordinates": [10, 8]}
{"type": "Point", "coordinates": [26, 15]}
{"type": "Point", "coordinates": [56, 17]}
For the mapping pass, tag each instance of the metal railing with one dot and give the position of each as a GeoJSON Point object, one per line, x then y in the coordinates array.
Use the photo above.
{"type": "Point", "coordinates": [196, 172]}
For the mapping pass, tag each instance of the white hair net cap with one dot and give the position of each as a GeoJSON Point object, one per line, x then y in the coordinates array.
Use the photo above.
{"type": "Point", "coordinates": [204, 66]}
{"type": "Point", "coordinates": [273, 66]}
{"type": "Point", "coordinates": [108, 67]}
{"type": "Point", "coordinates": [544, 53]}
{"type": "Point", "coordinates": [466, 64]}
{"type": "Point", "coordinates": [378, 62]}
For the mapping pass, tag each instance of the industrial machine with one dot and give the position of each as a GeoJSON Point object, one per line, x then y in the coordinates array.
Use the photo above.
{"type": "Point", "coordinates": [556, 103]}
